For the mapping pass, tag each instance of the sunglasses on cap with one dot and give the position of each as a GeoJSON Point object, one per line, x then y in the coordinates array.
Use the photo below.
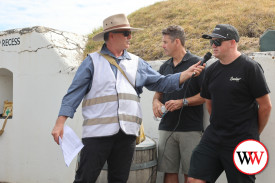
{"type": "Point", "coordinates": [217, 42]}
{"type": "Point", "coordinates": [125, 33]}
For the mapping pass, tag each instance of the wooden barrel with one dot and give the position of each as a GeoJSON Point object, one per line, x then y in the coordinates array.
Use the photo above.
{"type": "Point", "coordinates": [144, 165]}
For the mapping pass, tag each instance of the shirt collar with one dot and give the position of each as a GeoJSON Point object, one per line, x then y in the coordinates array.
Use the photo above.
{"type": "Point", "coordinates": [125, 55]}
{"type": "Point", "coordinates": [184, 59]}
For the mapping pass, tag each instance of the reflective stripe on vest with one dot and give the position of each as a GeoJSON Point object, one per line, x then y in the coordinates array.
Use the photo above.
{"type": "Point", "coordinates": [112, 103]}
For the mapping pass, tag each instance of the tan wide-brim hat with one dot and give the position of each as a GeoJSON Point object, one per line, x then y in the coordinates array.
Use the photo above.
{"type": "Point", "coordinates": [114, 22]}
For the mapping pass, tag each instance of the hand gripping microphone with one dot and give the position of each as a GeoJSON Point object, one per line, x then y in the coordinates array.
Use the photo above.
{"type": "Point", "coordinates": [206, 57]}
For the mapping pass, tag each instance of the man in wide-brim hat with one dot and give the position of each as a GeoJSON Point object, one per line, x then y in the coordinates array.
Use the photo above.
{"type": "Point", "coordinates": [111, 102]}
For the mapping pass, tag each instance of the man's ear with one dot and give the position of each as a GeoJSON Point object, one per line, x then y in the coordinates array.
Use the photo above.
{"type": "Point", "coordinates": [178, 41]}
{"type": "Point", "coordinates": [233, 43]}
{"type": "Point", "coordinates": [111, 35]}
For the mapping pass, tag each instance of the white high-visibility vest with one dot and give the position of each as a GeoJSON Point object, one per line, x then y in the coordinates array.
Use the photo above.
{"type": "Point", "coordinates": [112, 103]}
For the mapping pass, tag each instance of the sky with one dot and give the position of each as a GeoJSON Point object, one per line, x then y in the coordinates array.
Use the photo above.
{"type": "Point", "coordinates": [77, 16]}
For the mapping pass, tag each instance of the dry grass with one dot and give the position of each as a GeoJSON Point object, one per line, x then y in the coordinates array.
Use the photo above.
{"type": "Point", "coordinates": [250, 17]}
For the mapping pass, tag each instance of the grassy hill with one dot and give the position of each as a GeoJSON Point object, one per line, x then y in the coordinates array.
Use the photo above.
{"type": "Point", "coordinates": [251, 17]}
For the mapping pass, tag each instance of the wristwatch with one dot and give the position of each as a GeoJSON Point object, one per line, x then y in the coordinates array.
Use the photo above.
{"type": "Point", "coordinates": [185, 102]}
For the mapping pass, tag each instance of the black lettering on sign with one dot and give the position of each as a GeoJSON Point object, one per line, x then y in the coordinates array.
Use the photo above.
{"type": "Point", "coordinates": [10, 42]}
{"type": "Point", "coordinates": [18, 40]}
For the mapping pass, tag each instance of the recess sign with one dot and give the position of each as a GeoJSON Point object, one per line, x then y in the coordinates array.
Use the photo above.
{"type": "Point", "coordinates": [10, 41]}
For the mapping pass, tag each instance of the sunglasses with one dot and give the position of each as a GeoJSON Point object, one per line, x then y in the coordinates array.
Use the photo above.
{"type": "Point", "coordinates": [125, 33]}
{"type": "Point", "coordinates": [217, 42]}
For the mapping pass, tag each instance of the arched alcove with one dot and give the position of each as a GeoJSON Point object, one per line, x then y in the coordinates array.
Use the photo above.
{"type": "Point", "coordinates": [6, 87]}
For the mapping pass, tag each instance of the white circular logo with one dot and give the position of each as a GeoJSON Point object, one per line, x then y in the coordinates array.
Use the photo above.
{"type": "Point", "coordinates": [250, 157]}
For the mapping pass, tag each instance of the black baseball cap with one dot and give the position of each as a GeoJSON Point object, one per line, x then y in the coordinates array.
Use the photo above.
{"type": "Point", "coordinates": [224, 31]}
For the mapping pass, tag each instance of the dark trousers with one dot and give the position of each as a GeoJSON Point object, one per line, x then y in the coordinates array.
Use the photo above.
{"type": "Point", "coordinates": [117, 150]}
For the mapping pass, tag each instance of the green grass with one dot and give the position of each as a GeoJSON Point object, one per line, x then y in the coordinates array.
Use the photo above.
{"type": "Point", "coordinates": [251, 17]}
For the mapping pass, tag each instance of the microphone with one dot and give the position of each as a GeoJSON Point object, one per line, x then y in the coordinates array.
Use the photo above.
{"type": "Point", "coordinates": [206, 57]}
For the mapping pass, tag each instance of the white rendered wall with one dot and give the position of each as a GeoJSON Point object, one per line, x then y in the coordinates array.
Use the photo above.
{"type": "Point", "coordinates": [43, 66]}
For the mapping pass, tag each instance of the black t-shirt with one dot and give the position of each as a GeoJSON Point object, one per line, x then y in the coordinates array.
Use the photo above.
{"type": "Point", "coordinates": [233, 90]}
{"type": "Point", "coordinates": [191, 116]}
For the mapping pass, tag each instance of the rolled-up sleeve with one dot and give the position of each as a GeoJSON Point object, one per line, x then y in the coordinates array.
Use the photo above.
{"type": "Point", "coordinates": [81, 84]}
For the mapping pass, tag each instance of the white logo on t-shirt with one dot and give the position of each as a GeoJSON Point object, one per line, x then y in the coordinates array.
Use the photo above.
{"type": "Point", "coordinates": [235, 79]}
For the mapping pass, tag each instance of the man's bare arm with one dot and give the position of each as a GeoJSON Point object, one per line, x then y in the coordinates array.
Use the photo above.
{"type": "Point", "coordinates": [263, 111]}
{"type": "Point", "coordinates": [157, 104]}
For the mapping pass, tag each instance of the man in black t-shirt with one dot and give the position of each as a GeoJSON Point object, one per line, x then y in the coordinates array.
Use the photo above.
{"type": "Point", "coordinates": [179, 130]}
{"type": "Point", "coordinates": [237, 99]}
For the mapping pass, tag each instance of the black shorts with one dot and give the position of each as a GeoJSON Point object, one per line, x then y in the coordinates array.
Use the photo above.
{"type": "Point", "coordinates": [208, 161]}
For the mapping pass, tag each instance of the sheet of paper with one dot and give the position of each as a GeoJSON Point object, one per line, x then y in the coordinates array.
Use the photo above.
{"type": "Point", "coordinates": [70, 144]}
